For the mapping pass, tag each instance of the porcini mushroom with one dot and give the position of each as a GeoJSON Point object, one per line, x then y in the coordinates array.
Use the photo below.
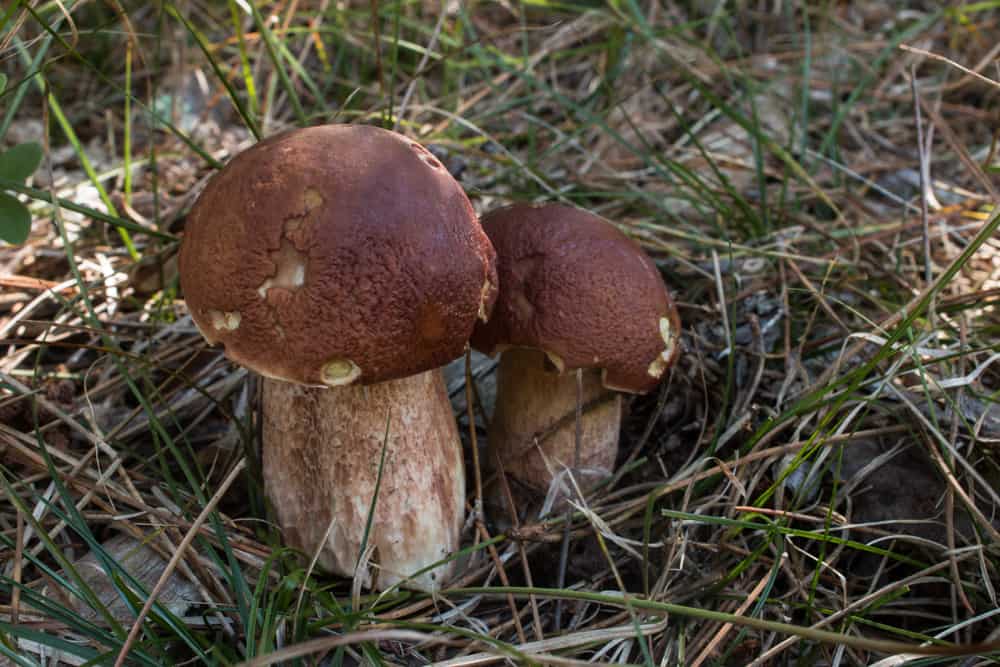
{"type": "Point", "coordinates": [575, 294]}
{"type": "Point", "coordinates": [345, 265]}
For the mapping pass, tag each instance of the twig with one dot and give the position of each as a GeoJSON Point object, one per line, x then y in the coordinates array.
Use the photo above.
{"type": "Point", "coordinates": [935, 56]}
{"type": "Point", "coordinates": [568, 519]}
{"type": "Point", "coordinates": [405, 102]}
{"type": "Point", "coordinates": [925, 183]}
{"type": "Point", "coordinates": [726, 627]}
{"type": "Point", "coordinates": [15, 598]}
{"type": "Point", "coordinates": [324, 644]}
{"type": "Point", "coordinates": [522, 552]}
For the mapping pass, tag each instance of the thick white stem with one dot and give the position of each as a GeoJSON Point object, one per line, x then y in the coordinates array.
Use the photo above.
{"type": "Point", "coordinates": [533, 429]}
{"type": "Point", "coordinates": [321, 459]}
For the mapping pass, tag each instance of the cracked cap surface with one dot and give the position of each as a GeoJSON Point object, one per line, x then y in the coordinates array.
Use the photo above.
{"type": "Point", "coordinates": [574, 286]}
{"type": "Point", "coordinates": [336, 254]}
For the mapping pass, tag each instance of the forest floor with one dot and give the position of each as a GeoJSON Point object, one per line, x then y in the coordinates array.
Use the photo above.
{"type": "Point", "coordinates": [815, 483]}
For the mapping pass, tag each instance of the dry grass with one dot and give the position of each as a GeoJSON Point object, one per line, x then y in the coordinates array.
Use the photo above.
{"type": "Point", "coordinates": [820, 199]}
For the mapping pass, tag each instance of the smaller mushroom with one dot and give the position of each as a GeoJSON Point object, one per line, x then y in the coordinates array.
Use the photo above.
{"type": "Point", "coordinates": [575, 294]}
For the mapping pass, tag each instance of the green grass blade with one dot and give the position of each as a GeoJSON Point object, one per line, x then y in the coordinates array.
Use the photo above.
{"type": "Point", "coordinates": [100, 216]}
{"type": "Point", "coordinates": [278, 63]}
{"type": "Point", "coordinates": [245, 114]}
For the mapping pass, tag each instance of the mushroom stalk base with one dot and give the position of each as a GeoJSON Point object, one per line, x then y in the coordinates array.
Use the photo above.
{"type": "Point", "coordinates": [537, 404]}
{"type": "Point", "coordinates": [322, 453]}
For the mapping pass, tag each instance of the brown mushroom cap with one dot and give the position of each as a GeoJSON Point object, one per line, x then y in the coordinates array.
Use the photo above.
{"type": "Point", "coordinates": [335, 254]}
{"type": "Point", "coordinates": [574, 286]}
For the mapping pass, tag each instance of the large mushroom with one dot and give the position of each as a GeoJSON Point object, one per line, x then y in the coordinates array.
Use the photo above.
{"type": "Point", "coordinates": [345, 265]}
{"type": "Point", "coordinates": [575, 294]}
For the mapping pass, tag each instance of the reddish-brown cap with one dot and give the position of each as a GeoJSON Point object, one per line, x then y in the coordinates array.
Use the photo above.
{"type": "Point", "coordinates": [336, 254]}
{"type": "Point", "coordinates": [574, 286]}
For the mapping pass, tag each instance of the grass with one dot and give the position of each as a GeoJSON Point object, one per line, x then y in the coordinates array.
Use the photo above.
{"type": "Point", "coordinates": [816, 483]}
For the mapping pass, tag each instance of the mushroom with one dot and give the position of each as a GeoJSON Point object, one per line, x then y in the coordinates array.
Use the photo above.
{"type": "Point", "coordinates": [345, 265]}
{"type": "Point", "coordinates": [575, 294]}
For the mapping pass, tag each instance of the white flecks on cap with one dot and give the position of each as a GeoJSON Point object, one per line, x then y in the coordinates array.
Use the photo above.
{"type": "Point", "coordinates": [669, 340]}
{"type": "Point", "coordinates": [339, 372]}
{"type": "Point", "coordinates": [225, 320]}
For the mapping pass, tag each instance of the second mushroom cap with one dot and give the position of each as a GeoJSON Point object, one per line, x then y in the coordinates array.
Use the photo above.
{"type": "Point", "coordinates": [575, 287]}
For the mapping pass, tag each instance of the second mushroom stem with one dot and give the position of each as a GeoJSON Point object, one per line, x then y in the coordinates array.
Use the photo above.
{"type": "Point", "coordinates": [534, 425]}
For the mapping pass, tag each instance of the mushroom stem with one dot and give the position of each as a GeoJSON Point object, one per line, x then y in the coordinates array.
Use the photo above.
{"type": "Point", "coordinates": [322, 454]}
{"type": "Point", "coordinates": [533, 430]}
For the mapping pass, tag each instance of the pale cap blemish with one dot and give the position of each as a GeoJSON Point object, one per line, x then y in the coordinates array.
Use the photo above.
{"type": "Point", "coordinates": [657, 368]}
{"type": "Point", "coordinates": [556, 361]}
{"type": "Point", "coordinates": [339, 372]}
{"type": "Point", "coordinates": [659, 365]}
{"type": "Point", "coordinates": [312, 199]}
{"type": "Point", "coordinates": [290, 270]}
{"type": "Point", "coordinates": [484, 294]}
{"type": "Point", "coordinates": [225, 320]}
